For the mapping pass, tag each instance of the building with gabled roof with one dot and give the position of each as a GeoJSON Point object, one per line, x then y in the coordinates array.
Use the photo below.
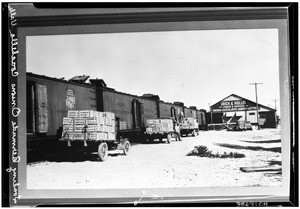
{"type": "Point", "coordinates": [242, 109]}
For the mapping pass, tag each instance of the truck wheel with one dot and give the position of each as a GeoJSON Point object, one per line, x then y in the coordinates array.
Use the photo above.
{"type": "Point", "coordinates": [194, 133]}
{"type": "Point", "coordinates": [126, 148]}
{"type": "Point", "coordinates": [169, 138]}
{"type": "Point", "coordinates": [103, 151]}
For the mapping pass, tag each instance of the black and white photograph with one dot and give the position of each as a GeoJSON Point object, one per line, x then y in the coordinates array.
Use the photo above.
{"type": "Point", "coordinates": [149, 81]}
{"type": "Point", "coordinates": [158, 105]}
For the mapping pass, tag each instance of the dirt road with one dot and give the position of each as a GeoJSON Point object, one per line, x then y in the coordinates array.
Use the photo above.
{"type": "Point", "coordinates": [160, 165]}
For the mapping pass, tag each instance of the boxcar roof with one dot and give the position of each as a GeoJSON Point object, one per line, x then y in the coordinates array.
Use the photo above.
{"type": "Point", "coordinates": [58, 80]}
{"type": "Point", "coordinates": [105, 88]}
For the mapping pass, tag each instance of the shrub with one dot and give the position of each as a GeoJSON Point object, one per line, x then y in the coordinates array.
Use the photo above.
{"type": "Point", "coordinates": [202, 151]}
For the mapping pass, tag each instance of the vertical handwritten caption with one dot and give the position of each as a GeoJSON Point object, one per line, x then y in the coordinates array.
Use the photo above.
{"type": "Point", "coordinates": [15, 111]}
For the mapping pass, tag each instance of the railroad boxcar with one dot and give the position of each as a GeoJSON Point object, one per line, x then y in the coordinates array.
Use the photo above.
{"type": "Point", "coordinates": [49, 99]}
{"type": "Point", "coordinates": [131, 111]}
{"type": "Point", "coordinates": [201, 119]}
{"type": "Point", "coordinates": [47, 102]}
{"type": "Point", "coordinates": [190, 112]}
{"type": "Point", "coordinates": [169, 110]}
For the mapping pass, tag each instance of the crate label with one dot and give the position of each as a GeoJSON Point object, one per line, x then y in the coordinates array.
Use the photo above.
{"type": "Point", "coordinates": [79, 121]}
{"type": "Point", "coordinates": [91, 121]}
{"type": "Point", "coordinates": [78, 128]}
{"type": "Point", "coordinates": [92, 128]}
{"type": "Point", "coordinates": [68, 128]}
{"type": "Point", "coordinates": [73, 113]}
{"type": "Point", "coordinates": [68, 121]}
{"type": "Point", "coordinates": [78, 136]}
{"type": "Point", "coordinates": [87, 113]}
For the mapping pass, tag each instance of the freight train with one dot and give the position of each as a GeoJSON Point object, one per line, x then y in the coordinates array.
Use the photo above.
{"type": "Point", "coordinates": [49, 99]}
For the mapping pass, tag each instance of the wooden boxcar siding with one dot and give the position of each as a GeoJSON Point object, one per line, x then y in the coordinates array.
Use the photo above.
{"type": "Point", "coordinates": [201, 117]}
{"type": "Point", "coordinates": [198, 117]}
{"type": "Point", "coordinates": [56, 93]}
{"type": "Point", "coordinates": [120, 104]}
{"type": "Point", "coordinates": [165, 110]}
{"type": "Point", "coordinates": [178, 109]}
{"type": "Point", "coordinates": [150, 110]}
{"type": "Point", "coordinates": [189, 113]}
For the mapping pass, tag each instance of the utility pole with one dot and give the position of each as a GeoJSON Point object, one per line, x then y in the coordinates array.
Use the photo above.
{"type": "Point", "coordinates": [276, 118]}
{"type": "Point", "coordinates": [256, 101]}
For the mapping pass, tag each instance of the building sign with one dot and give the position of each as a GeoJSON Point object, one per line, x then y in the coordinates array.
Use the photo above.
{"type": "Point", "coordinates": [70, 98]}
{"type": "Point", "coordinates": [232, 106]}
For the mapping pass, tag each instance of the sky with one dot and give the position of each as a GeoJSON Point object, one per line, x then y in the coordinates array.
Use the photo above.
{"type": "Point", "coordinates": [197, 68]}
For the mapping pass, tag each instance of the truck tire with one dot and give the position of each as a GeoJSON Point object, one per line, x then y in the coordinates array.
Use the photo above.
{"type": "Point", "coordinates": [169, 138]}
{"type": "Point", "coordinates": [103, 151]}
{"type": "Point", "coordinates": [126, 148]}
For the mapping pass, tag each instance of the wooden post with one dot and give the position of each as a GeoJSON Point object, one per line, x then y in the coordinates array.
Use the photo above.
{"type": "Point", "coordinates": [256, 102]}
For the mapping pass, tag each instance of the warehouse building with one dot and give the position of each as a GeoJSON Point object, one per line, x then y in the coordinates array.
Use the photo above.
{"type": "Point", "coordinates": [235, 108]}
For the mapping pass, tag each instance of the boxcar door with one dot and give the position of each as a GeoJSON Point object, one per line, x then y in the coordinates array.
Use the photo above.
{"type": "Point", "coordinates": [173, 112]}
{"type": "Point", "coordinates": [134, 114]}
{"type": "Point", "coordinates": [42, 109]}
{"type": "Point", "coordinates": [142, 114]}
{"type": "Point", "coordinates": [30, 107]}
{"type": "Point", "coordinates": [137, 114]}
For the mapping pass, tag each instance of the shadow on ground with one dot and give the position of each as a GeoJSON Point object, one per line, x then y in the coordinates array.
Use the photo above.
{"type": "Point", "coordinates": [274, 162]}
{"type": "Point", "coordinates": [254, 148]}
{"type": "Point", "coordinates": [77, 155]}
{"type": "Point", "coordinates": [74, 156]}
{"type": "Point", "coordinates": [274, 170]}
{"type": "Point", "coordinates": [264, 141]}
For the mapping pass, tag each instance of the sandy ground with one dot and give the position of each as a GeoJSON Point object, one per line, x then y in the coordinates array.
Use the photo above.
{"type": "Point", "coordinates": [160, 165]}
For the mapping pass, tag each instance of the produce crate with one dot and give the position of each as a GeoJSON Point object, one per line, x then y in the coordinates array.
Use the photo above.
{"type": "Point", "coordinates": [68, 121]}
{"type": "Point", "coordinates": [159, 126]}
{"type": "Point", "coordinates": [122, 125]}
{"type": "Point", "coordinates": [189, 123]}
{"type": "Point", "coordinates": [87, 113]}
{"type": "Point", "coordinates": [89, 125]}
{"type": "Point", "coordinates": [73, 113]}
{"type": "Point", "coordinates": [68, 128]}
{"type": "Point", "coordinates": [79, 121]}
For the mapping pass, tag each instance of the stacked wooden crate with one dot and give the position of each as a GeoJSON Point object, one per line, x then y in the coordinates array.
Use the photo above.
{"type": "Point", "coordinates": [89, 125]}
{"type": "Point", "coordinates": [159, 126]}
{"type": "Point", "coordinates": [189, 123]}
{"type": "Point", "coordinates": [123, 125]}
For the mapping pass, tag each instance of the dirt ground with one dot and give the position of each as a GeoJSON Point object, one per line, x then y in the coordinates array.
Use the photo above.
{"type": "Point", "coordinates": [162, 165]}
